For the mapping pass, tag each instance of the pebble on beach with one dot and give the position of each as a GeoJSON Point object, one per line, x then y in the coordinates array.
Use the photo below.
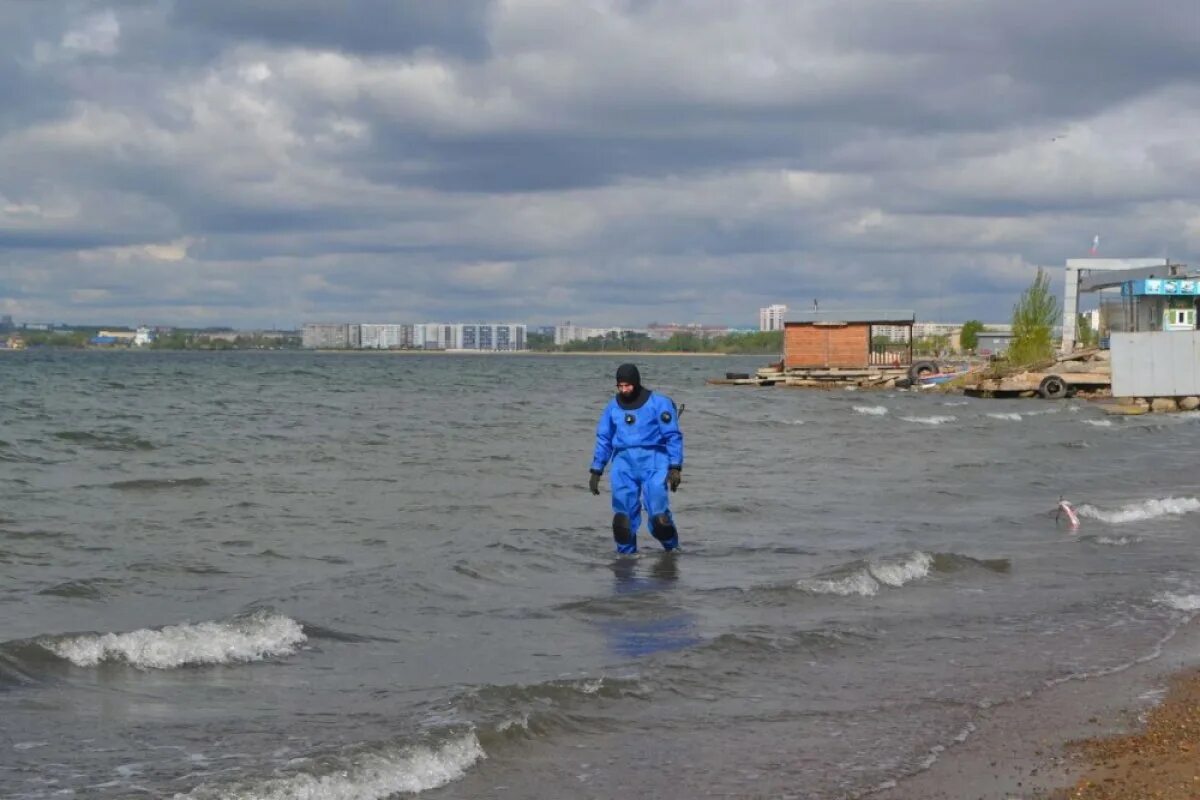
{"type": "Point", "coordinates": [1160, 761]}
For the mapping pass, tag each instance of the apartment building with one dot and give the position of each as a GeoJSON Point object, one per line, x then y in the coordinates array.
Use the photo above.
{"type": "Point", "coordinates": [386, 336]}
{"type": "Point", "coordinates": [771, 318]}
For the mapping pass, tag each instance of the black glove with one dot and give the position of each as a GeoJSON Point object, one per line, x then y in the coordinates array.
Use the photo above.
{"type": "Point", "coordinates": [594, 483]}
{"type": "Point", "coordinates": [674, 476]}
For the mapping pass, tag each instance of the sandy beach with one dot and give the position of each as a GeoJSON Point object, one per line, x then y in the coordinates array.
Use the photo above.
{"type": "Point", "coordinates": [1161, 759]}
{"type": "Point", "coordinates": [1129, 735]}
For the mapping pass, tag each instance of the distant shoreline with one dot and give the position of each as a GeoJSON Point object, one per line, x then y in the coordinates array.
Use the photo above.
{"type": "Point", "coordinates": [362, 352]}
{"type": "Point", "coordinates": [606, 353]}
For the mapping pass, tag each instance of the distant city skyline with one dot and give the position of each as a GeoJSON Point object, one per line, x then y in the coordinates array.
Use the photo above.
{"type": "Point", "coordinates": [245, 163]}
{"type": "Point", "coordinates": [747, 325]}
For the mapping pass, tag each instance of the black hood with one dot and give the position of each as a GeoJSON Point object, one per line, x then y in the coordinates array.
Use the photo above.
{"type": "Point", "coordinates": [628, 373]}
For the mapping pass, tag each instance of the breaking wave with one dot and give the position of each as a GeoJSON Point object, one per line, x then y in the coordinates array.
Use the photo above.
{"type": "Point", "coordinates": [1143, 510]}
{"type": "Point", "coordinates": [867, 579]}
{"type": "Point", "coordinates": [1180, 602]}
{"type": "Point", "coordinates": [1013, 416]}
{"type": "Point", "coordinates": [372, 775]}
{"type": "Point", "coordinates": [873, 411]}
{"type": "Point", "coordinates": [252, 637]}
{"type": "Point", "coordinates": [1099, 423]}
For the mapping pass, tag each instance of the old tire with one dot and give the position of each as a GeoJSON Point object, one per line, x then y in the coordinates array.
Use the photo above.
{"type": "Point", "coordinates": [1053, 387]}
{"type": "Point", "coordinates": [920, 369]}
{"type": "Point", "coordinates": [736, 376]}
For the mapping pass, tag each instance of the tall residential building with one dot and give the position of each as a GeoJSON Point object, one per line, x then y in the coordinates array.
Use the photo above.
{"type": "Point", "coordinates": [771, 318]}
{"type": "Point", "coordinates": [434, 336]}
{"type": "Point", "coordinates": [423, 336]}
{"type": "Point", "coordinates": [924, 330]}
{"type": "Point", "coordinates": [491, 336]}
{"type": "Point", "coordinates": [578, 333]}
{"type": "Point", "coordinates": [330, 335]}
{"type": "Point", "coordinates": [388, 336]}
{"type": "Point", "coordinates": [893, 333]}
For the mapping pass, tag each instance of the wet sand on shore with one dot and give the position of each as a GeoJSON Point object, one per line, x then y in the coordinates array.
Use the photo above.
{"type": "Point", "coordinates": [1160, 760]}
{"type": "Point", "coordinates": [1138, 727]}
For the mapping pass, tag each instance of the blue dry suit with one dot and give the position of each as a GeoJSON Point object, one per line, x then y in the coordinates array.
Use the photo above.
{"type": "Point", "coordinates": [643, 440]}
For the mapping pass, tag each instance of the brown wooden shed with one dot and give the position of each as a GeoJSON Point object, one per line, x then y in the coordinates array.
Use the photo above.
{"type": "Point", "coordinates": [843, 339]}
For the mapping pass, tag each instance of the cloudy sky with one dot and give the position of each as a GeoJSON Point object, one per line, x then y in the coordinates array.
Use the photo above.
{"type": "Point", "coordinates": [272, 162]}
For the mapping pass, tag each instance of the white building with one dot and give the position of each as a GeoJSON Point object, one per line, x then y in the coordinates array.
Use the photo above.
{"type": "Point", "coordinates": [771, 318]}
{"type": "Point", "coordinates": [330, 336]}
{"type": "Point", "coordinates": [386, 336]}
{"type": "Point", "coordinates": [578, 333]}
{"type": "Point", "coordinates": [925, 330]}
{"type": "Point", "coordinates": [143, 337]}
{"type": "Point", "coordinates": [434, 336]}
{"type": "Point", "coordinates": [487, 336]}
{"type": "Point", "coordinates": [894, 333]}
{"type": "Point", "coordinates": [497, 337]}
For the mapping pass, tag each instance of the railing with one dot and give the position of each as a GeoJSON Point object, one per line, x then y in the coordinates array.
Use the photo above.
{"type": "Point", "coordinates": [888, 359]}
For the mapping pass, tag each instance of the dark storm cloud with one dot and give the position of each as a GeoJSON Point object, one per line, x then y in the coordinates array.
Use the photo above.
{"type": "Point", "coordinates": [364, 26]}
{"type": "Point", "coordinates": [605, 161]}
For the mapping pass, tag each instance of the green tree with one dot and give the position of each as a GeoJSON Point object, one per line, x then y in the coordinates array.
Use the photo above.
{"type": "Point", "coordinates": [539, 341]}
{"type": "Point", "coordinates": [1033, 320]}
{"type": "Point", "coordinates": [75, 338]}
{"type": "Point", "coordinates": [751, 343]}
{"type": "Point", "coordinates": [689, 343]}
{"type": "Point", "coordinates": [175, 340]}
{"type": "Point", "coordinates": [969, 338]}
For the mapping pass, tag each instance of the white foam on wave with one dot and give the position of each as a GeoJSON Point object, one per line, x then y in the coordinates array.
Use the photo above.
{"type": "Point", "coordinates": [873, 411]}
{"type": "Point", "coordinates": [898, 573]}
{"type": "Point", "coordinates": [1116, 541]}
{"type": "Point", "coordinates": [1013, 416]}
{"type": "Point", "coordinates": [956, 403]}
{"type": "Point", "coordinates": [1143, 510]}
{"type": "Point", "coordinates": [252, 638]}
{"type": "Point", "coordinates": [867, 581]}
{"type": "Point", "coordinates": [936, 419]}
{"type": "Point", "coordinates": [1180, 602]}
{"type": "Point", "coordinates": [859, 583]}
{"type": "Point", "coordinates": [1099, 423]}
{"type": "Point", "coordinates": [368, 777]}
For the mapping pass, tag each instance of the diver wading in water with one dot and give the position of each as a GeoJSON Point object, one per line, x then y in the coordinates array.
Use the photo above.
{"type": "Point", "coordinates": [639, 433]}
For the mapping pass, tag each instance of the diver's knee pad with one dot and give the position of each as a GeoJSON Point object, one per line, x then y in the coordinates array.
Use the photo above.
{"type": "Point", "coordinates": [662, 528]}
{"type": "Point", "coordinates": [622, 532]}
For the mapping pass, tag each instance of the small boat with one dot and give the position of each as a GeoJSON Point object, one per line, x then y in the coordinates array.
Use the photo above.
{"type": "Point", "coordinates": [935, 378]}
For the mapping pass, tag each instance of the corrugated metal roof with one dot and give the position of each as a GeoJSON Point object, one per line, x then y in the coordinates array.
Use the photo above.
{"type": "Point", "coordinates": [889, 316]}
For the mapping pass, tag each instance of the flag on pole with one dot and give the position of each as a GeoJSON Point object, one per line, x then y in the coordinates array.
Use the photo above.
{"type": "Point", "coordinates": [1095, 244]}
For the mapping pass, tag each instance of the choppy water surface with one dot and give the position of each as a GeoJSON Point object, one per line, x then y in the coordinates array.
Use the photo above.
{"type": "Point", "coordinates": [289, 575]}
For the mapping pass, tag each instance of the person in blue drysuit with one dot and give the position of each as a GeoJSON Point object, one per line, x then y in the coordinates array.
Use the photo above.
{"type": "Point", "coordinates": [639, 432]}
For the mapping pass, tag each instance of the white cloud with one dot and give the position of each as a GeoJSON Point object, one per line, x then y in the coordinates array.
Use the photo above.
{"type": "Point", "coordinates": [547, 155]}
{"type": "Point", "coordinates": [165, 252]}
{"type": "Point", "coordinates": [98, 35]}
